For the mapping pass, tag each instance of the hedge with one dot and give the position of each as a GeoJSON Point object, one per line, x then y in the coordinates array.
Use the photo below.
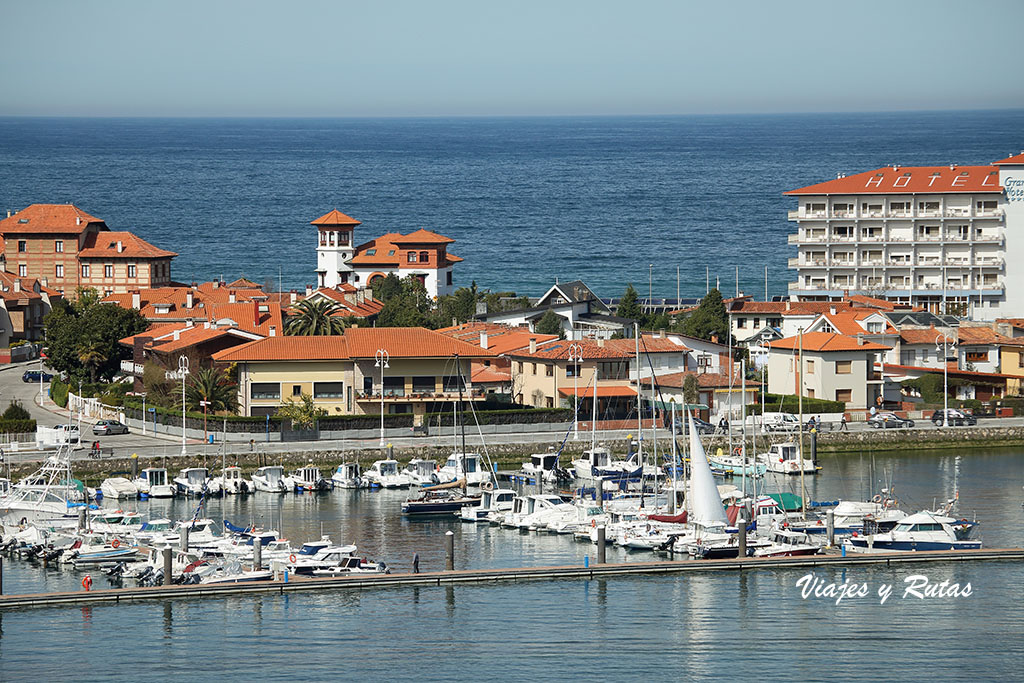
{"type": "Point", "coordinates": [59, 392]}
{"type": "Point", "coordinates": [502, 417]}
{"type": "Point", "coordinates": [789, 403]}
{"type": "Point", "coordinates": [17, 426]}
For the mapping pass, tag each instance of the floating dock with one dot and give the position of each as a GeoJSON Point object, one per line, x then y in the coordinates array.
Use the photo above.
{"type": "Point", "coordinates": [470, 576]}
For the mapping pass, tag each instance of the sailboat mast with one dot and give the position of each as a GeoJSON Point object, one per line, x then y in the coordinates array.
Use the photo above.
{"type": "Point", "coordinates": [639, 404]}
{"type": "Point", "coordinates": [743, 422]}
{"type": "Point", "coordinates": [800, 409]}
{"type": "Point", "coordinates": [672, 510]}
{"type": "Point", "coordinates": [462, 426]}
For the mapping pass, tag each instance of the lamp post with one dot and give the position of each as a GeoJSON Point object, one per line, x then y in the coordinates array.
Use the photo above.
{"type": "Point", "coordinates": [766, 338]}
{"type": "Point", "coordinates": [204, 404]}
{"type": "Point", "coordinates": [575, 356]}
{"type": "Point", "coordinates": [943, 341]}
{"type": "Point", "coordinates": [41, 357]}
{"type": "Point", "coordinates": [183, 371]}
{"type": "Point", "coordinates": [143, 394]}
{"type": "Point", "coordinates": [382, 357]}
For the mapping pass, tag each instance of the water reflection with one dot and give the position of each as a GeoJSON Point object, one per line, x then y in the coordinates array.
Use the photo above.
{"type": "Point", "coordinates": [168, 620]}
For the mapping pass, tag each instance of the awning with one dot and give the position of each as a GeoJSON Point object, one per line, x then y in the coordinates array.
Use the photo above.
{"type": "Point", "coordinates": [602, 392]}
{"type": "Point", "coordinates": [790, 502]}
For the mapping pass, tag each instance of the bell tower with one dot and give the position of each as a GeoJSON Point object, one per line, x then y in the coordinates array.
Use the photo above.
{"type": "Point", "coordinates": [334, 248]}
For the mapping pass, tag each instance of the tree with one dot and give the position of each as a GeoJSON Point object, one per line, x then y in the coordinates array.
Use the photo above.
{"type": "Point", "coordinates": [82, 338]}
{"type": "Point", "coordinates": [92, 356]}
{"type": "Point", "coordinates": [691, 390]}
{"type": "Point", "coordinates": [385, 288]}
{"type": "Point", "coordinates": [709, 319]}
{"type": "Point", "coordinates": [213, 386]}
{"type": "Point", "coordinates": [159, 389]}
{"type": "Point", "coordinates": [16, 411]}
{"type": "Point", "coordinates": [315, 317]}
{"type": "Point", "coordinates": [550, 323]}
{"type": "Point", "coordinates": [411, 307]}
{"type": "Point", "coordinates": [629, 306]}
{"type": "Point", "coordinates": [303, 413]}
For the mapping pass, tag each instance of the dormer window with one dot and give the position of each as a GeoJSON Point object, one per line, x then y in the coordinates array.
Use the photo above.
{"type": "Point", "coordinates": [371, 252]}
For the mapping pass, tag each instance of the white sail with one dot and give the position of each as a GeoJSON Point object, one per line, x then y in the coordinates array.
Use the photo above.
{"type": "Point", "coordinates": [705, 502]}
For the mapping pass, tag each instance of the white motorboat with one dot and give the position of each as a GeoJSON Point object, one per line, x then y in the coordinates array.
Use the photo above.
{"type": "Point", "coordinates": [270, 479]}
{"type": "Point", "coordinates": [349, 475]}
{"type": "Point", "coordinates": [540, 508]}
{"type": "Point", "coordinates": [309, 478]}
{"type": "Point", "coordinates": [784, 458]}
{"type": "Point", "coordinates": [596, 463]}
{"type": "Point", "coordinates": [468, 466]}
{"type": "Point", "coordinates": [545, 465]}
{"type": "Point", "coordinates": [47, 497]}
{"type": "Point", "coordinates": [119, 488]}
{"type": "Point", "coordinates": [421, 472]}
{"type": "Point", "coordinates": [788, 543]}
{"type": "Point", "coordinates": [152, 482]}
{"type": "Point", "coordinates": [385, 474]}
{"type": "Point", "coordinates": [232, 482]}
{"type": "Point", "coordinates": [352, 565]}
{"type": "Point", "coordinates": [196, 481]}
{"type": "Point", "coordinates": [492, 503]}
{"type": "Point", "coordinates": [231, 572]}
{"type": "Point", "coordinates": [922, 531]}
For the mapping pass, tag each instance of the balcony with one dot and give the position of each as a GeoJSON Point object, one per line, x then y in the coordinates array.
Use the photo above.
{"type": "Point", "coordinates": [131, 368]}
{"type": "Point", "coordinates": [401, 396]}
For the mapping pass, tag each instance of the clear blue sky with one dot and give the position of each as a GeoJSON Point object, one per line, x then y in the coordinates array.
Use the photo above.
{"type": "Point", "coordinates": [484, 57]}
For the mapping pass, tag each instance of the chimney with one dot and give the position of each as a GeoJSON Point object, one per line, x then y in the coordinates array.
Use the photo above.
{"type": "Point", "coordinates": [309, 289]}
{"type": "Point", "coordinates": [136, 301]}
{"type": "Point", "coordinates": [8, 213]}
{"type": "Point", "coordinates": [832, 310]}
{"type": "Point", "coordinates": [190, 322]}
{"type": "Point", "coordinates": [188, 299]}
{"type": "Point", "coordinates": [231, 297]}
{"type": "Point", "coordinates": [78, 221]}
{"type": "Point", "coordinates": [256, 314]}
{"type": "Point", "coordinates": [860, 339]}
{"type": "Point", "coordinates": [273, 330]}
{"type": "Point", "coordinates": [600, 342]}
{"type": "Point", "coordinates": [294, 296]}
{"type": "Point", "coordinates": [216, 283]}
{"type": "Point", "coordinates": [120, 246]}
{"type": "Point", "coordinates": [17, 284]}
{"type": "Point", "coordinates": [177, 335]}
{"type": "Point", "coordinates": [714, 338]}
{"type": "Point", "coordinates": [533, 345]}
{"type": "Point", "coordinates": [483, 340]}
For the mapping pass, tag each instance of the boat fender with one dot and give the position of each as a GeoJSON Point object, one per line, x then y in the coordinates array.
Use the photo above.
{"type": "Point", "coordinates": [593, 522]}
{"type": "Point", "coordinates": [87, 582]}
{"type": "Point", "coordinates": [115, 543]}
{"type": "Point", "coordinates": [24, 521]}
{"type": "Point", "coordinates": [291, 558]}
{"type": "Point", "coordinates": [487, 486]}
{"type": "Point", "coordinates": [877, 498]}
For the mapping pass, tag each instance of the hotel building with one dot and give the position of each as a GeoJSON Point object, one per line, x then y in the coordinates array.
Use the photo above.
{"type": "Point", "coordinates": [941, 237]}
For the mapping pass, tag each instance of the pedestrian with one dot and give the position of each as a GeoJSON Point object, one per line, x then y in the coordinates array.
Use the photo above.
{"type": "Point", "coordinates": [415, 563]}
{"type": "Point", "coordinates": [252, 445]}
{"type": "Point", "coordinates": [842, 424]}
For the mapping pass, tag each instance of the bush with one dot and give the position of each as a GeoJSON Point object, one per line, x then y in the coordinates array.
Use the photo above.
{"type": "Point", "coordinates": [17, 426]}
{"type": "Point", "coordinates": [502, 417]}
{"type": "Point", "coordinates": [16, 411]}
{"type": "Point", "coordinates": [789, 403]}
{"type": "Point", "coordinates": [59, 392]}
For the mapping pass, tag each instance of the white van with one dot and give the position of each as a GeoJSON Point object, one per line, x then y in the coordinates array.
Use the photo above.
{"type": "Point", "coordinates": [774, 422]}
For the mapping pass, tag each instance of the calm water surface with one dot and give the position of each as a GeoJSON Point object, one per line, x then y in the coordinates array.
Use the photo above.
{"type": "Point", "coordinates": [753, 624]}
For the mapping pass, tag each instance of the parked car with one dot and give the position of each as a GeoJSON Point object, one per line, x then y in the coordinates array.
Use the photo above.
{"type": "Point", "coordinates": [105, 427]}
{"type": "Point", "coordinates": [702, 427]}
{"type": "Point", "coordinates": [34, 375]}
{"type": "Point", "coordinates": [955, 417]}
{"type": "Point", "coordinates": [889, 421]}
{"type": "Point", "coordinates": [774, 422]}
{"type": "Point", "coordinates": [73, 434]}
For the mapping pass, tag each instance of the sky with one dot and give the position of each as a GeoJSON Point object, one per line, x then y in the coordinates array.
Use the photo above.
{"type": "Point", "coordinates": [488, 58]}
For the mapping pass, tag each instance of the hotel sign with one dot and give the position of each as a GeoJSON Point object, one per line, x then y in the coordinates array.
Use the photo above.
{"type": "Point", "coordinates": [1014, 189]}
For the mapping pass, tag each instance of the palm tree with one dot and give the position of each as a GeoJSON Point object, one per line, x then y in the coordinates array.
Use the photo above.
{"type": "Point", "coordinates": [319, 317]}
{"type": "Point", "coordinates": [92, 356]}
{"type": "Point", "coordinates": [213, 386]}
{"type": "Point", "coordinates": [303, 413]}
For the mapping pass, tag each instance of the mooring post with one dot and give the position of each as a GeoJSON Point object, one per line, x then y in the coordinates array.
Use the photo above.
{"type": "Point", "coordinates": [830, 527]}
{"type": "Point", "coordinates": [81, 519]}
{"type": "Point", "coordinates": [183, 540]}
{"type": "Point", "coordinates": [449, 550]}
{"type": "Point", "coordinates": [135, 466]}
{"type": "Point", "coordinates": [814, 446]}
{"type": "Point", "coordinates": [257, 554]}
{"type": "Point", "coordinates": [167, 566]}
{"type": "Point", "coordinates": [601, 557]}
{"type": "Point", "coordinates": [741, 528]}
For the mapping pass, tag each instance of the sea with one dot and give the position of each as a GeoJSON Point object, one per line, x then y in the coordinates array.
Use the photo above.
{"type": "Point", "coordinates": [670, 204]}
{"type": "Point", "coordinates": [754, 624]}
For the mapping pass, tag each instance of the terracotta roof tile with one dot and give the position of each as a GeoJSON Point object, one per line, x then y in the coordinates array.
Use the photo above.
{"type": "Point", "coordinates": [705, 380]}
{"type": "Point", "coordinates": [335, 217]}
{"type": "Point", "coordinates": [287, 348]}
{"type": "Point", "coordinates": [604, 391]}
{"type": "Point", "coordinates": [648, 344]}
{"type": "Point", "coordinates": [910, 179]}
{"type": "Point", "coordinates": [1014, 160]}
{"type": "Point", "coordinates": [501, 339]}
{"type": "Point", "coordinates": [48, 218]}
{"type": "Point", "coordinates": [787, 307]}
{"type": "Point", "coordinates": [559, 350]}
{"type": "Point", "coordinates": [826, 342]}
{"type": "Point", "coordinates": [422, 236]}
{"type": "Point", "coordinates": [409, 342]}
{"type": "Point", "coordinates": [971, 335]}
{"type": "Point", "coordinates": [103, 245]}
{"type": "Point", "coordinates": [848, 322]}
{"type": "Point", "coordinates": [921, 336]}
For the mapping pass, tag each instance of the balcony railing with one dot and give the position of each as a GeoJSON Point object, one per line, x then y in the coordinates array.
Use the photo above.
{"type": "Point", "coordinates": [401, 394]}
{"type": "Point", "coordinates": [132, 368]}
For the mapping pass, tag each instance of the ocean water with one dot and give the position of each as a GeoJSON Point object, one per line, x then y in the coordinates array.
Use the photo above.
{"type": "Point", "coordinates": [610, 200]}
{"type": "Point", "coordinates": [749, 624]}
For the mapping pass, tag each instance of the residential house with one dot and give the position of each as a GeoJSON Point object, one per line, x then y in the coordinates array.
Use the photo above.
{"type": "Point", "coordinates": [24, 302]}
{"type": "Point", "coordinates": [718, 394]}
{"type": "Point", "coordinates": [836, 367]}
{"type": "Point", "coordinates": [494, 375]}
{"type": "Point", "coordinates": [582, 313]}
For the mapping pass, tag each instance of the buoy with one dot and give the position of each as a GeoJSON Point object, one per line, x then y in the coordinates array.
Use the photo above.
{"type": "Point", "coordinates": [115, 543]}
{"type": "Point", "coordinates": [292, 558]}
{"type": "Point", "coordinates": [87, 582]}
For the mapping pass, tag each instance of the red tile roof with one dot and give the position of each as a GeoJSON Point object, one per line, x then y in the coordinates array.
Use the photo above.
{"type": "Point", "coordinates": [826, 342]}
{"type": "Point", "coordinates": [335, 217]}
{"type": "Point", "coordinates": [393, 241]}
{"type": "Point", "coordinates": [848, 322]}
{"type": "Point", "coordinates": [971, 335]}
{"type": "Point", "coordinates": [422, 236]}
{"type": "Point", "coordinates": [910, 179]}
{"type": "Point", "coordinates": [409, 342]}
{"type": "Point", "coordinates": [27, 288]}
{"type": "Point", "coordinates": [1014, 160]}
{"type": "Point", "coordinates": [788, 307]}
{"type": "Point", "coordinates": [648, 344]}
{"type": "Point", "coordinates": [247, 316]}
{"type": "Point", "coordinates": [705, 380]}
{"type": "Point", "coordinates": [926, 335]}
{"type": "Point", "coordinates": [287, 348]}
{"type": "Point", "coordinates": [353, 307]}
{"type": "Point", "coordinates": [950, 371]}
{"type": "Point", "coordinates": [602, 391]}
{"type": "Point", "coordinates": [103, 245]}
{"type": "Point", "coordinates": [501, 339]}
{"type": "Point", "coordinates": [489, 373]}
{"type": "Point", "coordinates": [560, 350]}
{"type": "Point", "coordinates": [163, 341]}
{"type": "Point", "coordinates": [49, 218]}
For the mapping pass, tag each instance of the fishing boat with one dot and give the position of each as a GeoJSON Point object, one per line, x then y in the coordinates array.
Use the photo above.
{"type": "Point", "coordinates": [309, 478]}
{"type": "Point", "coordinates": [921, 531]}
{"type": "Point", "coordinates": [384, 474]}
{"type": "Point", "coordinates": [468, 466]}
{"type": "Point", "coordinates": [349, 475]}
{"type": "Point", "coordinates": [152, 482]}
{"type": "Point", "coordinates": [270, 479]}
{"type": "Point", "coordinates": [421, 472]}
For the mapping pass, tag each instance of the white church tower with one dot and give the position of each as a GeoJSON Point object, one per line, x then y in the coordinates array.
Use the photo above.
{"type": "Point", "coordinates": [335, 248]}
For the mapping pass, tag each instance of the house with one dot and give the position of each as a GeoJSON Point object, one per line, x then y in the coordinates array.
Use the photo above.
{"type": "Point", "coordinates": [718, 394]}
{"type": "Point", "coordinates": [67, 248]}
{"type": "Point", "coordinates": [24, 302]}
{"type": "Point", "coordinates": [355, 302]}
{"type": "Point", "coordinates": [836, 367]}
{"type": "Point", "coordinates": [367, 369]}
{"type": "Point", "coordinates": [494, 375]}
{"type": "Point", "coordinates": [582, 313]}
{"type": "Point", "coordinates": [421, 254]}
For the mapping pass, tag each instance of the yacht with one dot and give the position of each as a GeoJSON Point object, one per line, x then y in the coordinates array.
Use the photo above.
{"type": "Point", "coordinates": [196, 481]}
{"type": "Point", "coordinates": [309, 478]}
{"type": "Point", "coordinates": [152, 483]}
{"type": "Point", "coordinates": [118, 488]}
{"type": "Point", "coordinates": [596, 463]}
{"type": "Point", "coordinates": [545, 465]}
{"type": "Point", "coordinates": [232, 482]}
{"type": "Point", "coordinates": [47, 497]}
{"type": "Point", "coordinates": [468, 466]}
{"type": "Point", "coordinates": [349, 475]}
{"type": "Point", "coordinates": [784, 458]}
{"type": "Point", "coordinates": [385, 474]}
{"type": "Point", "coordinates": [421, 472]}
{"type": "Point", "coordinates": [494, 502]}
{"type": "Point", "coordinates": [270, 479]}
{"type": "Point", "coordinates": [922, 531]}
{"type": "Point", "coordinates": [788, 543]}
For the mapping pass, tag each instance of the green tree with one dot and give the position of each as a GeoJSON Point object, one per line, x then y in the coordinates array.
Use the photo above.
{"type": "Point", "coordinates": [159, 389]}
{"type": "Point", "coordinates": [16, 411]}
{"type": "Point", "coordinates": [629, 306]}
{"type": "Point", "coordinates": [387, 287]}
{"type": "Point", "coordinates": [303, 413]}
{"type": "Point", "coordinates": [213, 386]}
{"type": "Point", "coordinates": [92, 356]}
{"type": "Point", "coordinates": [550, 323]}
{"type": "Point", "coordinates": [82, 338]}
{"type": "Point", "coordinates": [691, 389]}
{"type": "Point", "coordinates": [412, 307]}
{"type": "Point", "coordinates": [709, 319]}
{"type": "Point", "coordinates": [317, 317]}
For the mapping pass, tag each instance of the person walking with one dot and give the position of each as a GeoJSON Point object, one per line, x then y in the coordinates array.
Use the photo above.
{"type": "Point", "coordinates": [842, 424]}
{"type": "Point", "coordinates": [415, 563]}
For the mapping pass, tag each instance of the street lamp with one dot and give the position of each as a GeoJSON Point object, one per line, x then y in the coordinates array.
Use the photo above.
{"type": "Point", "coordinates": [575, 356]}
{"type": "Point", "coordinates": [943, 341]}
{"type": "Point", "coordinates": [382, 357]}
{"type": "Point", "coordinates": [183, 371]}
{"type": "Point", "coordinates": [762, 354]}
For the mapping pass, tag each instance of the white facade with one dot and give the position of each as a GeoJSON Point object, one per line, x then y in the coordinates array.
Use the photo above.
{"type": "Point", "coordinates": [1011, 178]}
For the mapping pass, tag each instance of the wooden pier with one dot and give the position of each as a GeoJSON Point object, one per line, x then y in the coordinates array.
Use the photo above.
{"type": "Point", "coordinates": [470, 576]}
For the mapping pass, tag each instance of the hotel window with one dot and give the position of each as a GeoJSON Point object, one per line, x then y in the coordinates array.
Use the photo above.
{"type": "Point", "coordinates": [260, 390]}
{"type": "Point", "coordinates": [22, 246]}
{"type": "Point", "coordinates": [59, 270]}
{"type": "Point", "coordinates": [131, 270]}
{"type": "Point", "coordinates": [412, 257]}
{"type": "Point", "coordinates": [844, 395]}
{"type": "Point", "coordinates": [58, 246]}
{"type": "Point", "coordinates": [85, 270]}
{"type": "Point", "coordinates": [982, 206]}
{"type": "Point", "coordinates": [844, 367]}
{"type": "Point", "coordinates": [22, 270]}
{"type": "Point", "coordinates": [572, 369]}
{"type": "Point", "coordinates": [108, 271]}
{"type": "Point", "coordinates": [899, 207]}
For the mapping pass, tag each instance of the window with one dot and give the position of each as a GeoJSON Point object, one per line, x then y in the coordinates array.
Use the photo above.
{"type": "Point", "coordinates": [1020, 360]}
{"type": "Point", "coordinates": [810, 393]}
{"type": "Point", "coordinates": [368, 385]}
{"type": "Point", "coordinates": [108, 271]}
{"type": "Point", "coordinates": [22, 246]}
{"type": "Point", "coordinates": [572, 369]}
{"type": "Point", "coordinates": [58, 246]}
{"type": "Point", "coordinates": [394, 386]}
{"type": "Point", "coordinates": [131, 270]}
{"type": "Point", "coordinates": [844, 367]}
{"type": "Point", "coordinates": [844, 395]}
{"type": "Point", "coordinates": [976, 356]}
{"type": "Point", "coordinates": [520, 367]}
{"type": "Point", "coordinates": [875, 328]}
{"type": "Point", "coordinates": [59, 270]}
{"type": "Point", "coordinates": [424, 384]}
{"type": "Point", "coordinates": [22, 270]}
{"type": "Point", "coordinates": [424, 256]}
{"type": "Point", "coordinates": [328, 390]}
{"type": "Point", "coordinates": [391, 252]}
{"type": "Point", "coordinates": [263, 390]}
{"type": "Point", "coordinates": [549, 402]}
{"type": "Point", "coordinates": [449, 277]}
{"type": "Point", "coordinates": [412, 257]}
{"type": "Point", "coordinates": [810, 367]}
{"type": "Point", "coordinates": [371, 252]}
{"type": "Point", "coordinates": [549, 370]}
{"type": "Point", "coordinates": [741, 322]}
{"type": "Point", "coordinates": [85, 270]}
{"type": "Point", "coordinates": [453, 382]}
{"type": "Point", "coordinates": [533, 368]}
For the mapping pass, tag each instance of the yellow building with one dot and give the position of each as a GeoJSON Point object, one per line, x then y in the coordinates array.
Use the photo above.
{"type": "Point", "coordinates": [402, 369]}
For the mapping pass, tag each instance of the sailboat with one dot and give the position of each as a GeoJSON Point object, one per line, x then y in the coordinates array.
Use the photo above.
{"type": "Point", "coordinates": [47, 497]}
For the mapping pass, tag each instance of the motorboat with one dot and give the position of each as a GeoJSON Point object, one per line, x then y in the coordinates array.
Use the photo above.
{"type": "Point", "coordinates": [309, 478]}
{"type": "Point", "coordinates": [438, 502]}
{"type": "Point", "coordinates": [850, 516]}
{"type": "Point", "coordinates": [493, 502]}
{"type": "Point", "coordinates": [421, 472]}
{"type": "Point", "coordinates": [307, 560]}
{"type": "Point", "coordinates": [352, 565]}
{"type": "Point", "coordinates": [736, 464]}
{"type": "Point", "coordinates": [596, 463]}
{"type": "Point", "coordinates": [545, 466]}
{"type": "Point", "coordinates": [196, 481]}
{"type": "Point", "coordinates": [921, 531]}
{"type": "Point", "coordinates": [270, 479]}
{"type": "Point", "coordinates": [784, 458]}
{"type": "Point", "coordinates": [97, 549]}
{"type": "Point", "coordinates": [119, 488]}
{"type": "Point", "coordinates": [385, 474]}
{"type": "Point", "coordinates": [788, 543]}
{"type": "Point", "coordinates": [589, 515]}
{"type": "Point", "coordinates": [232, 482]}
{"type": "Point", "coordinates": [540, 508]}
{"type": "Point", "coordinates": [47, 497]}
{"type": "Point", "coordinates": [231, 572]}
{"type": "Point", "coordinates": [468, 466]}
{"type": "Point", "coordinates": [349, 475]}
{"type": "Point", "coordinates": [152, 483]}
